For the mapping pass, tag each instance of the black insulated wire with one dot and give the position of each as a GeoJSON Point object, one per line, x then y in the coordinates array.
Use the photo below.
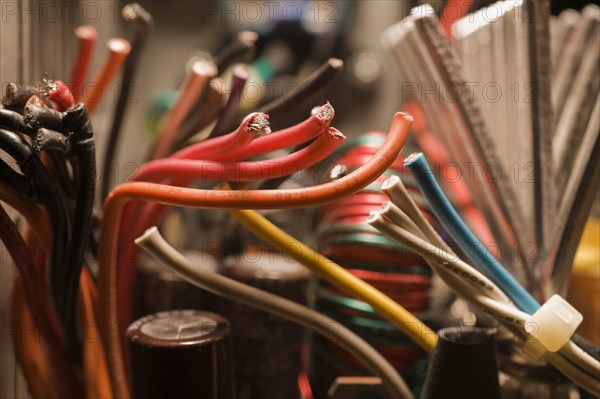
{"type": "Point", "coordinates": [36, 117]}
{"type": "Point", "coordinates": [83, 151]}
{"type": "Point", "coordinates": [49, 140]}
{"type": "Point", "coordinates": [12, 120]}
{"type": "Point", "coordinates": [240, 49]}
{"type": "Point", "coordinates": [16, 96]}
{"type": "Point", "coordinates": [142, 22]}
{"type": "Point", "coordinates": [308, 89]}
{"type": "Point", "coordinates": [21, 184]}
{"type": "Point", "coordinates": [58, 148]}
{"type": "Point", "coordinates": [32, 168]}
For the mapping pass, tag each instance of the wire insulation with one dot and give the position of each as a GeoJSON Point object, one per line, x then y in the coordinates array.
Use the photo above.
{"type": "Point", "coordinates": [153, 243]}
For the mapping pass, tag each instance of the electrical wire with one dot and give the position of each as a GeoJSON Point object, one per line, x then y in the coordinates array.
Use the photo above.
{"type": "Point", "coordinates": [318, 150]}
{"type": "Point", "coordinates": [20, 183]}
{"type": "Point", "coordinates": [584, 365]}
{"type": "Point", "coordinates": [239, 76]}
{"type": "Point", "coordinates": [339, 277]}
{"type": "Point", "coordinates": [190, 91]}
{"type": "Point", "coordinates": [28, 209]}
{"type": "Point", "coordinates": [83, 148]}
{"type": "Point", "coordinates": [135, 15]}
{"type": "Point", "coordinates": [12, 120]}
{"type": "Point", "coordinates": [16, 96]}
{"type": "Point", "coordinates": [253, 125]}
{"type": "Point", "coordinates": [241, 49]}
{"type": "Point", "coordinates": [326, 74]}
{"type": "Point", "coordinates": [29, 350]}
{"type": "Point", "coordinates": [118, 50]}
{"type": "Point", "coordinates": [450, 268]}
{"type": "Point", "coordinates": [58, 93]}
{"type": "Point", "coordinates": [205, 115]}
{"type": "Point", "coordinates": [136, 219]}
{"type": "Point", "coordinates": [42, 312]}
{"type": "Point", "coordinates": [94, 360]}
{"type": "Point", "coordinates": [215, 199]}
{"type": "Point", "coordinates": [154, 244]}
{"type": "Point", "coordinates": [86, 37]}
{"type": "Point", "coordinates": [398, 194]}
{"type": "Point", "coordinates": [49, 140]}
{"type": "Point", "coordinates": [97, 381]}
{"type": "Point", "coordinates": [463, 236]}
{"type": "Point", "coordinates": [35, 117]}
{"type": "Point", "coordinates": [31, 167]}
{"type": "Point", "coordinates": [284, 138]}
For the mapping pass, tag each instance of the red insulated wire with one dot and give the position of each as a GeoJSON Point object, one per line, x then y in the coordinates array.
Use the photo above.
{"type": "Point", "coordinates": [60, 94]}
{"type": "Point", "coordinates": [214, 199]}
{"type": "Point", "coordinates": [190, 169]}
{"type": "Point", "coordinates": [252, 126]}
{"type": "Point", "coordinates": [239, 145]}
{"type": "Point", "coordinates": [118, 50]}
{"type": "Point", "coordinates": [294, 135]}
{"type": "Point", "coordinates": [86, 36]}
{"type": "Point", "coordinates": [149, 215]}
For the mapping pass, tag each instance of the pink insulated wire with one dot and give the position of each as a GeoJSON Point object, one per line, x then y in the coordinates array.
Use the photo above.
{"type": "Point", "coordinates": [200, 73]}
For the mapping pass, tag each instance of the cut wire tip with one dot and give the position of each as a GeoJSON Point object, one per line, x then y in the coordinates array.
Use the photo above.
{"type": "Point", "coordinates": [406, 116]}
{"type": "Point", "coordinates": [134, 12]}
{"type": "Point", "coordinates": [86, 32]}
{"type": "Point", "coordinates": [338, 172]}
{"type": "Point", "coordinates": [259, 125]}
{"type": "Point", "coordinates": [415, 156]}
{"type": "Point", "coordinates": [390, 182]}
{"type": "Point", "coordinates": [324, 112]}
{"type": "Point", "coordinates": [47, 86]}
{"type": "Point", "coordinates": [373, 217]}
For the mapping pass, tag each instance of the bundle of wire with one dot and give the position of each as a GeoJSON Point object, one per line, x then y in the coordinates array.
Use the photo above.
{"type": "Point", "coordinates": [493, 289]}
{"type": "Point", "coordinates": [343, 237]}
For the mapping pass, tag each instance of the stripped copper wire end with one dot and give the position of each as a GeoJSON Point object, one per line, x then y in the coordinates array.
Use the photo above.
{"type": "Point", "coordinates": [259, 125]}
{"type": "Point", "coordinates": [338, 171]}
{"type": "Point", "coordinates": [47, 86]}
{"type": "Point", "coordinates": [325, 112]}
{"type": "Point", "coordinates": [57, 92]}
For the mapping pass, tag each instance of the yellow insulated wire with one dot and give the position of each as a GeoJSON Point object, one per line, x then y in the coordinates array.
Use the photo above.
{"type": "Point", "coordinates": [414, 328]}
